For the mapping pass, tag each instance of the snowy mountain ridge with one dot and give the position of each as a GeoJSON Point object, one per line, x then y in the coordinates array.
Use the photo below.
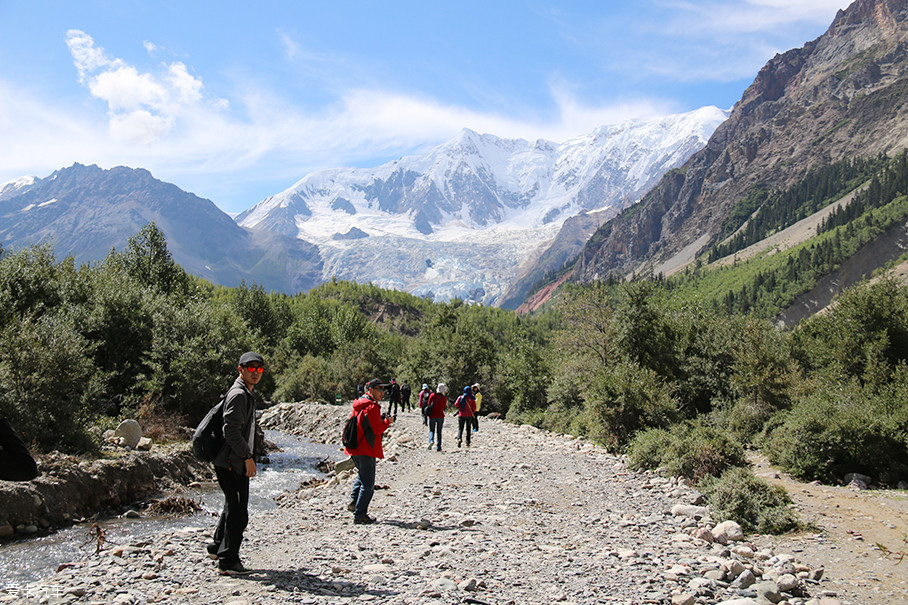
{"type": "Point", "coordinates": [469, 217]}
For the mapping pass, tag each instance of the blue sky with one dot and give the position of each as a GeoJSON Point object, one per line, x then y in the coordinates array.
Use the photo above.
{"type": "Point", "coordinates": [235, 101]}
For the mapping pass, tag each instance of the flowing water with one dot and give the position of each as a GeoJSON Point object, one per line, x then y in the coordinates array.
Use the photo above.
{"type": "Point", "coordinates": [30, 559]}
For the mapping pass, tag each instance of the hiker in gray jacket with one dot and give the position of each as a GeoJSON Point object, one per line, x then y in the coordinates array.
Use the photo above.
{"type": "Point", "coordinates": [234, 465]}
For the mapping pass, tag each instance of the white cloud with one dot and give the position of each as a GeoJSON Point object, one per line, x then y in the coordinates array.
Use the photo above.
{"type": "Point", "coordinates": [142, 107]}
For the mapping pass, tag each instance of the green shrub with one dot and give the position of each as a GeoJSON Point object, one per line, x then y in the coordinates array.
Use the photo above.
{"type": "Point", "coordinates": [693, 450]}
{"type": "Point", "coordinates": [647, 449]}
{"type": "Point", "coordinates": [306, 380]}
{"type": "Point", "coordinates": [756, 505]}
{"type": "Point", "coordinates": [624, 398]}
{"type": "Point", "coordinates": [834, 431]}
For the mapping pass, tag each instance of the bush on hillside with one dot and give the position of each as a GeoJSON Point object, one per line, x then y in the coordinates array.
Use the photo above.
{"type": "Point", "coordinates": [834, 431]}
{"type": "Point", "coordinates": [694, 450]}
{"type": "Point", "coordinates": [622, 399]}
{"type": "Point", "coordinates": [756, 505]}
{"type": "Point", "coordinates": [307, 380]}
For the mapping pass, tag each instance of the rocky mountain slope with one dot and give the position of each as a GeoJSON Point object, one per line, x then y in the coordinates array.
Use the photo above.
{"type": "Point", "coordinates": [476, 214]}
{"type": "Point", "coordinates": [842, 95]}
{"type": "Point", "coordinates": [84, 211]}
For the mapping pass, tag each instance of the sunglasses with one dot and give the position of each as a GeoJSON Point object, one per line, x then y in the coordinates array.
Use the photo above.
{"type": "Point", "coordinates": [255, 369]}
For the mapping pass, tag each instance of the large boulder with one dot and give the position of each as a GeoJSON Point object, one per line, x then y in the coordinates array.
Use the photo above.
{"type": "Point", "coordinates": [130, 432]}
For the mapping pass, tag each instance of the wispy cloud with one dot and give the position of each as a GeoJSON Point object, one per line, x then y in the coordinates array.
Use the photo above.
{"type": "Point", "coordinates": [731, 19]}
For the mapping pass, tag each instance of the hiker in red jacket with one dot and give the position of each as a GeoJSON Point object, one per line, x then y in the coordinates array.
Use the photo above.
{"type": "Point", "coordinates": [466, 409]}
{"type": "Point", "coordinates": [372, 423]}
{"type": "Point", "coordinates": [435, 412]}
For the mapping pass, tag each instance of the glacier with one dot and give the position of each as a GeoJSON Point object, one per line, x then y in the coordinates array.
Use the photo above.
{"type": "Point", "coordinates": [471, 216]}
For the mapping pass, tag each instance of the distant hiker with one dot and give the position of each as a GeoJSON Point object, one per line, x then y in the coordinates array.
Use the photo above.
{"type": "Point", "coordinates": [234, 465]}
{"type": "Point", "coordinates": [465, 409]}
{"type": "Point", "coordinates": [393, 397]}
{"type": "Point", "coordinates": [405, 396]}
{"type": "Point", "coordinates": [423, 400]}
{"type": "Point", "coordinates": [360, 390]}
{"type": "Point", "coordinates": [435, 412]}
{"type": "Point", "coordinates": [372, 423]}
{"type": "Point", "coordinates": [478, 397]}
{"type": "Point", "coordinates": [16, 464]}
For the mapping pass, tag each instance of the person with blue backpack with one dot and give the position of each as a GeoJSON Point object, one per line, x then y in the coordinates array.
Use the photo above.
{"type": "Point", "coordinates": [466, 409]}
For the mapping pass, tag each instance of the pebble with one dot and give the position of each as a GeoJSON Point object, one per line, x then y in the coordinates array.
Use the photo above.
{"type": "Point", "coordinates": [522, 517]}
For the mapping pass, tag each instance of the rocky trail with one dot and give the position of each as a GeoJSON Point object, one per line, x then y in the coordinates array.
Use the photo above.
{"type": "Point", "coordinates": [520, 517]}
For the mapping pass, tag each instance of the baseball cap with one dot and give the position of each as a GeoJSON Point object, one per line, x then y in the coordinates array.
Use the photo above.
{"type": "Point", "coordinates": [250, 357]}
{"type": "Point", "coordinates": [377, 383]}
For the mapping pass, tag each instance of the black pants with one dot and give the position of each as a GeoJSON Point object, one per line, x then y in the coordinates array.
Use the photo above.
{"type": "Point", "coordinates": [229, 533]}
{"type": "Point", "coordinates": [464, 422]}
{"type": "Point", "coordinates": [16, 464]}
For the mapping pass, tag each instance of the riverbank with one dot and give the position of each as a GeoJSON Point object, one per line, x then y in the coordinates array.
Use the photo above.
{"type": "Point", "coordinates": [70, 489]}
{"type": "Point", "coordinates": [522, 516]}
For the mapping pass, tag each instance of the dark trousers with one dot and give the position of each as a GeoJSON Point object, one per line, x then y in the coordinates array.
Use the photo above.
{"type": "Point", "coordinates": [392, 407]}
{"type": "Point", "coordinates": [364, 486]}
{"type": "Point", "coordinates": [464, 421]}
{"type": "Point", "coordinates": [229, 533]}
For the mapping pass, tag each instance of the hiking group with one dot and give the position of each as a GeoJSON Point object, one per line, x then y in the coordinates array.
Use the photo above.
{"type": "Point", "coordinates": [226, 438]}
{"type": "Point", "coordinates": [363, 431]}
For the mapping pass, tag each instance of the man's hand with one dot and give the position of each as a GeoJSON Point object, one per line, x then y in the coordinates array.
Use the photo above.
{"type": "Point", "coordinates": [250, 467]}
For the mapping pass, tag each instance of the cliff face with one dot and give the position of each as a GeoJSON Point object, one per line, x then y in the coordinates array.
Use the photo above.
{"type": "Point", "coordinates": [842, 95]}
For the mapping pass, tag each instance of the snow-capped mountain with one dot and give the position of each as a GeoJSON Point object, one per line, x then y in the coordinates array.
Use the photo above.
{"type": "Point", "coordinates": [469, 218]}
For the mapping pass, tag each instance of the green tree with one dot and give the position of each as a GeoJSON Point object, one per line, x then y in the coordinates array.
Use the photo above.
{"type": "Point", "coordinates": [45, 371]}
{"type": "Point", "coordinates": [148, 261]}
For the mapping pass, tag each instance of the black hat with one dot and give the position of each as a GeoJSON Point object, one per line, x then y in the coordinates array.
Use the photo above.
{"type": "Point", "coordinates": [249, 357]}
{"type": "Point", "coordinates": [376, 383]}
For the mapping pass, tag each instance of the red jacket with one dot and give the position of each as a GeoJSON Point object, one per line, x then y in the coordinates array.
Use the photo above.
{"type": "Point", "coordinates": [369, 412]}
{"type": "Point", "coordinates": [438, 403]}
{"type": "Point", "coordinates": [466, 406]}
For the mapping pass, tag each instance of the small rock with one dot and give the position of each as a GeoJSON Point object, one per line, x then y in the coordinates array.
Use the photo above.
{"type": "Point", "coordinates": [730, 529]}
{"type": "Point", "coordinates": [688, 510]}
{"type": "Point", "coordinates": [683, 599]}
{"type": "Point", "coordinates": [849, 477]}
{"type": "Point", "coordinates": [767, 590]}
{"type": "Point", "coordinates": [745, 579]}
{"type": "Point", "coordinates": [444, 585]}
{"type": "Point", "coordinates": [144, 444]}
{"type": "Point", "coordinates": [787, 582]}
{"type": "Point", "coordinates": [344, 465]}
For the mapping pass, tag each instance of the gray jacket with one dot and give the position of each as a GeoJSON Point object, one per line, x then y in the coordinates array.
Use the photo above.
{"type": "Point", "coordinates": [239, 423]}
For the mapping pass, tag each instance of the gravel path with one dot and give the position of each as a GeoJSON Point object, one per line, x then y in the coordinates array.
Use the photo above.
{"type": "Point", "coordinates": [521, 517]}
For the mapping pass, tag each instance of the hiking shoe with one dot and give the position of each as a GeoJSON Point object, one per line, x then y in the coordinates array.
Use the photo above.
{"type": "Point", "coordinates": [430, 445]}
{"type": "Point", "coordinates": [212, 551]}
{"type": "Point", "coordinates": [363, 520]}
{"type": "Point", "coordinates": [351, 505]}
{"type": "Point", "coordinates": [458, 443]}
{"type": "Point", "coordinates": [233, 569]}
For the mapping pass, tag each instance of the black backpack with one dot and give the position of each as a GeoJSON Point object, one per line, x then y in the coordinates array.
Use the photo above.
{"type": "Point", "coordinates": [209, 435]}
{"type": "Point", "coordinates": [350, 436]}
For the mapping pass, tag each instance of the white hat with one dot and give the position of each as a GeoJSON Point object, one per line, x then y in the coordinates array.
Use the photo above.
{"type": "Point", "coordinates": [442, 388]}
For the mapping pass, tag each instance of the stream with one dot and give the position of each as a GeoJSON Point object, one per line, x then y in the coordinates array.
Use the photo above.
{"type": "Point", "coordinates": [31, 559]}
